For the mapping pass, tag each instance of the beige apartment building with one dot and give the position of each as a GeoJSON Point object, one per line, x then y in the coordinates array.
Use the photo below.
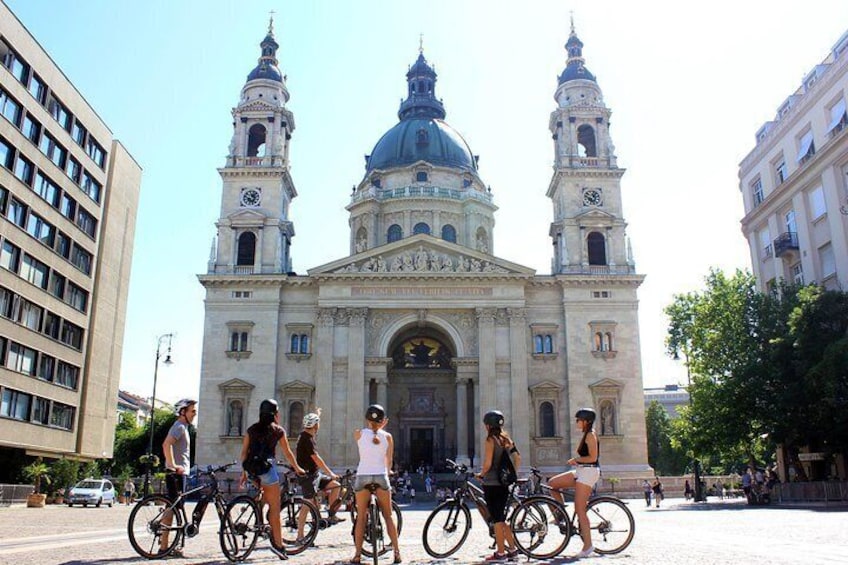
{"type": "Point", "coordinates": [794, 183]}
{"type": "Point", "coordinates": [421, 315]}
{"type": "Point", "coordinates": [68, 199]}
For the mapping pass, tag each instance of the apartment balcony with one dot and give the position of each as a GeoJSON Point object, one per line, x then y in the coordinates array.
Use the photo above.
{"type": "Point", "coordinates": [786, 243]}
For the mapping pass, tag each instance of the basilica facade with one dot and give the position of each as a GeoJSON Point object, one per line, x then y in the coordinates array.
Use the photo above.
{"type": "Point", "coordinates": [421, 315]}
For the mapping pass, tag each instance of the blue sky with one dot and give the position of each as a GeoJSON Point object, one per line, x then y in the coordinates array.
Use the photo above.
{"type": "Point", "coordinates": [689, 84]}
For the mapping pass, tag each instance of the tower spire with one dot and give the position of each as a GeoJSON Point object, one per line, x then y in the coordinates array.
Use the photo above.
{"type": "Point", "coordinates": [421, 44]}
{"type": "Point", "coordinates": [421, 101]}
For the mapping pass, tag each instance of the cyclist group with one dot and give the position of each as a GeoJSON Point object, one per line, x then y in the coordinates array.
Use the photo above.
{"type": "Point", "coordinates": [376, 448]}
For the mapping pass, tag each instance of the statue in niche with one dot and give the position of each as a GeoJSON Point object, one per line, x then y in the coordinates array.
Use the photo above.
{"type": "Point", "coordinates": [397, 264]}
{"type": "Point", "coordinates": [381, 265]}
{"type": "Point", "coordinates": [278, 145]}
{"type": "Point", "coordinates": [233, 145]}
{"type": "Point", "coordinates": [407, 263]}
{"type": "Point", "coordinates": [422, 259]}
{"type": "Point", "coordinates": [361, 245]}
{"type": "Point", "coordinates": [607, 420]}
{"type": "Point", "coordinates": [421, 354]}
{"type": "Point", "coordinates": [481, 243]}
{"type": "Point", "coordinates": [235, 417]}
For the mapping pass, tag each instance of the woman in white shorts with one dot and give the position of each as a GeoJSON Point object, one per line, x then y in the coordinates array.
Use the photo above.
{"type": "Point", "coordinates": [376, 450]}
{"type": "Point", "coordinates": [583, 479]}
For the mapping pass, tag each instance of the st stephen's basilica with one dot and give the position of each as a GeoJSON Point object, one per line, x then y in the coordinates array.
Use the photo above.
{"type": "Point", "coordinates": [422, 316]}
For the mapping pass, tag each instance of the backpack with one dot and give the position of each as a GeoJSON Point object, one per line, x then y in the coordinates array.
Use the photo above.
{"type": "Point", "coordinates": [257, 462]}
{"type": "Point", "coordinates": [506, 470]}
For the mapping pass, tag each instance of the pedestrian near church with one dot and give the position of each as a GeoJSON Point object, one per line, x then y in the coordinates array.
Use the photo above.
{"type": "Point", "coordinates": [584, 478]}
{"type": "Point", "coordinates": [129, 491]}
{"type": "Point", "coordinates": [646, 486]}
{"type": "Point", "coordinates": [258, 457]}
{"type": "Point", "coordinates": [315, 481]}
{"type": "Point", "coordinates": [687, 491]}
{"type": "Point", "coordinates": [498, 444]}
{"type": "Point", "coordinates": [657, 487]}
{"type": "Point", "coordinates": [177, 451]}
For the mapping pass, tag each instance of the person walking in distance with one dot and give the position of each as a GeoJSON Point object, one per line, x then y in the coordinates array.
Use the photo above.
{"type": "Point", "coordinates": [646, 486]}
{"type": "Point", "coordinates": [314, 480]}
{"type": "Point", "coordinates": [177, 451]}
{"type": "Point", "coordinates": [498, 444]}
{"type": "Point", "coordinates": [658, 491]}
{"type": "Point", "coordinates": [258, 457]}
{"type": "Point", "coordinates": [129, 491]}
{"type": "Point", "coordinates": [376, 452]}
{"type": "Point", "coordinates": [584, 478]}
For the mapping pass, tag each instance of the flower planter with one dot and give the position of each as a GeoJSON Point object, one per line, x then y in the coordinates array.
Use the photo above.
{"type": "Point", "coordinates": [36, 500]}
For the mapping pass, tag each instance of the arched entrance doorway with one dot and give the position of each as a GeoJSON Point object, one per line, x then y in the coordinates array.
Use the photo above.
{"type": "Point", "coordinates": [421, 397]}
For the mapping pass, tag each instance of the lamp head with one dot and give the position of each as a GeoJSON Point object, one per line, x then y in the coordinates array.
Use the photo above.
{"type": "Point", "coordinates": [167, 362]}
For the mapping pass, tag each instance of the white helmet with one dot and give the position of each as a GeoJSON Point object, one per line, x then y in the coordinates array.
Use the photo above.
{"type": "Point", "coordinates": [312, 419]}
{"type": "Point", "coordinates": [184, 403]}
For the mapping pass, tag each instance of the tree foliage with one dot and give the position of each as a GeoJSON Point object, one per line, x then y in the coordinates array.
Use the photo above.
{"type": "Point", "coordinates": [765, 368]}
{"type": "Point", "coordinates": [663, 456]}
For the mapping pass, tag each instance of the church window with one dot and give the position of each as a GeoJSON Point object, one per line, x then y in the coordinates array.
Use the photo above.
{"type": "Point", "coordinates": [421, 227]}
{"type": "Point", "coordinates": [422, 353]}
{"type": "Point", "coordinates": [546, 420]}
{"type": "Point", "coordinates": [421, 176]}
{"type": "Point", "coordinates": [295, 418]}
{"type": "Point", "coordinates": [239, 344]}
{"type": "Point", "coordinates": [603, 338]}
{"type": "Point", "coordinates": [549, 344]}
{"type": "Point", "coordinates": [395, 233]}
{"type": "Point", "coordinates": [597, 248]}
{"type": "Point", "coordinates": [246, 249]}
{"type": "Point", "coordinates": [304, 343]}
{"type": "Point", "coordinates": [256, 141]}
{"type": "Point", "coordinates": [295, 344]}
{"type": "Point", "coordinates": [238, 341]}
{"type": "Point", "coordinates": [586, 141]}
{"type": "Point", "coordinates": [537, 344]}
{"type": "Point", "coordinates": [449, 233]}
{"type": "Point", "coordinates": [543, 340]}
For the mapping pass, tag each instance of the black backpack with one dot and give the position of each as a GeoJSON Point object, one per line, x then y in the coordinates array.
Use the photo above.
{"type": "Point", "coordinates": [506, 470]}
{"type": "Point", "coordinates": [258, 457]}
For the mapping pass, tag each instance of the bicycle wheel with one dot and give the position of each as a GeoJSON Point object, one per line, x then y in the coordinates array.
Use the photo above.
{"type": "Point", "coordinates": [290, 510]}
{"type": "Point", "coordinates": [611, 523]}
{"type": "Point", "coordinates": [446, 529]}
{"type": "Point", "coordinates": [145, 527]}
{"type": "Point", "coordinates": [541, 527]}
{"type": "Point", "coordinates": [240, 526]}
{"type": "Point", "coordinates": [374, 527]}
{"type": "Point", "coordinates": [398, 518]}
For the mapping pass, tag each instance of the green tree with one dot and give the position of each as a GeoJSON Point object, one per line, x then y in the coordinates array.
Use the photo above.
{"type": "Point", "coordinates": [663, 456]}
{"type": "Point", "coordinates": [65, 473]}
{"type": "Point", "coordinates": [38, 472]}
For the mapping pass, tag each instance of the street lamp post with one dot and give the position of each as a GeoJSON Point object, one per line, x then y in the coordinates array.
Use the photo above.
{"type": "Point", "coordinates": [696, 465]}
{"type": "Point", "coordinates": [162, 339]}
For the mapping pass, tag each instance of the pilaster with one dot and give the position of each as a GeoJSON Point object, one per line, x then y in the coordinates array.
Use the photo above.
{"type": "Point", "coordinates": [324, 373]}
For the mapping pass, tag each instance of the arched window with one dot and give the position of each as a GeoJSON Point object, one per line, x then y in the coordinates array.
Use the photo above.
{"type": "Point", "coordinates": [246, 249]}
{"type": "Point", "coordinates": [295, 419]}
{"type": "Point", "coordinates": [395, 233]}
{"type": "Point", "coordinates": [537, 344]}
{"type": "Point", "coordinates": [421, 176]}
{"type": "Point", "coordinates": [546, 420]}
{"type": "Point", "coordinates": [597, 248]}
{"type": "Point", "coordinates": [608, 342]}
{"type": "Point", "coordinates": [421, 227]}
{"type": "Point", "coordinates": [256, 141]}
{"type": "Point", "coordinates": [586, 141]}
{"type": "Point", "coordinates": [235, 416]}
{"type": "Point", "coordinates": [549, 344]}
{"type": "Point", "coordinates": [295, 344]}
{"type": "Point", "coordinates": [238, 341]}
{"type": "Point", "coordinates": [304, 343]}
{"type": "Point", "coordinates": [449, 233]}
{"type": "Point", "coordinates": [599, 341]}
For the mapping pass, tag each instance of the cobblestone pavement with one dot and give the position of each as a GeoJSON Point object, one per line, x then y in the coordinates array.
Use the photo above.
{"type": "Point", "coordinates": [679, 532]}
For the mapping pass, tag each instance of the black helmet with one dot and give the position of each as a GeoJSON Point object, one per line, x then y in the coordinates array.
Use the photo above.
{"type": "Point", "coordinates": [494, 418]}
{"type": "Point", "coordinates": [375, 413]}
{"type": "Point", "coordinates": [586, 414]}
{"type": "Point", "coordinates": [269, 406]}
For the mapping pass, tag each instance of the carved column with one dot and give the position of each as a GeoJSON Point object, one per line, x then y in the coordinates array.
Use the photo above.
{"type": "Point", "coordinates": [462, 420]}
{"type": "Point", "coordinates": [488, 378]}
{"type": "Point", "coordinates": [383, 392]}
{"type": "Point", "coordinates": [257, 254]}
{"type": "Point", "coordinates": [355, 377]}
{"type": "Point", "coordinates": [323, 348]}
{"type": "Point", "coordinates": [520, 424]}
{"type": "Point", "coordinates": [610, 248]}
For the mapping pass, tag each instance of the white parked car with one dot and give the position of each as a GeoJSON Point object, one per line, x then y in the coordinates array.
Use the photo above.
{"type": "Point", "coordinates": [92, 491]}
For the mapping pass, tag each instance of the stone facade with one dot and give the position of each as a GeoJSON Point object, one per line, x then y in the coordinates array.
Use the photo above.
{"type": "Point", "coordinates": [421, 318]}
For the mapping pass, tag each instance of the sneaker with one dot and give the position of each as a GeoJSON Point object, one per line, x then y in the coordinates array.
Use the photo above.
{"type": "Point", "coordinates": [496, 557]}
{"type": "Point", "coordinates": [279, 551]}
{"type": "Point", "coordinates": [334, 519]}
{"type": "Point", "coordinates": [512, 553]}
{"type": "Point", "coordinates": [586, 552]}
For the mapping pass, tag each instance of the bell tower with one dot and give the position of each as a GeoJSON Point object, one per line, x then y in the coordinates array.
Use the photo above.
{"type": "Point", "coordinates": [254, 230]}
{"type": "Point", "coordinates": [588, 231]}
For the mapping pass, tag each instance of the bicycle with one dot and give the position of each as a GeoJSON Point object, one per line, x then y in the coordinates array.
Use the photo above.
{"type": "Point", "coordinates": [145, 526]}
{"type": "Point", "coordinates": [250, 521]}
{"type": "Point", "coordinates": [447, 527]}
{"type": "Point", "coordinates": [541, 519]}
{"type": "Point", "coordinates": [374, 529]}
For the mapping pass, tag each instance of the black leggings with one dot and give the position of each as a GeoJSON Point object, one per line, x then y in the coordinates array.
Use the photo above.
{"type": "Point", "coordinates": [496, 497]}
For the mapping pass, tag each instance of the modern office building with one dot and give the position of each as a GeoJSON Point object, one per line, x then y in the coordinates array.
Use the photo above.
{"type": "Point", "coordinates": [421, 315]}
{"type": "Point", "coordinates": [794, 183]}
{"type": "Point", "coordinates": [68, 199]}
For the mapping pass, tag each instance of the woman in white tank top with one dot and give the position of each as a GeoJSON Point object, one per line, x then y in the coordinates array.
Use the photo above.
{"type": "Point", "coordinates": [376, 450]}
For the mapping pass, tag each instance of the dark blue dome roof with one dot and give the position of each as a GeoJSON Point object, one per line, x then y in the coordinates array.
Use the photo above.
{"type": "Point", "coordinates": [421, 139]}
{"type": "Point", "coordinates": [576, 71]}
{"type": "Point", "coordinates": [266, 70]}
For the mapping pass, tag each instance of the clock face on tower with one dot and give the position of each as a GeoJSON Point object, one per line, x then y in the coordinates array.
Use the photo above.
{"type": "Point", "coordinates": [592, 197]}
{"type": "Point", "coordinates": [250, 197]}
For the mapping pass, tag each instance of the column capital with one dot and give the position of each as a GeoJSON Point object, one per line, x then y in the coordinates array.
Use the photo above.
{"type": "Point", "coordinates": [357, 316]}
{"type": "Point", "coordinates": [486, 315]}
{"type": "Point", "coordinates": [462, 381]}
{"type": "Point", "coordinates": [326, 317]}
{"type": "Point", "coordinates": [516, 315]}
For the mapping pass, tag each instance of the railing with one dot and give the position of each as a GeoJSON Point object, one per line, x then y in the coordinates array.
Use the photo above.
{"type": "Point", "coordinates": [785, 242]}
{"type": "Point", "coordinates": [269, 161]}
{"type": "Point", "coordinates": [419, 191]}
{"type": "Point", "coordinates": [599, 270]}
{"type": "Point", "coordinates": [14, 493]}
{"type": "Point", "coordinates": [243, 270]}
{"type": "Point", "coordinates": [816, 491]}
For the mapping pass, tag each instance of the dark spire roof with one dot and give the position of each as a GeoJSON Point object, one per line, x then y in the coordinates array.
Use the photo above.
{"type": "Point", "coordinates": [575, 68]}
{"type": "Point", "coordinates": [267, 67]}
{"type": "Point", "coordinates": [421, 101]}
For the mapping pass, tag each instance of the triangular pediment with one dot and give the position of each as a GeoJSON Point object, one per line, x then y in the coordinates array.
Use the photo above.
{"type": "Point", "coordinates": [422, 254]}
{"type": "Point", "coordinates": [246, 217]}
{"type": "Point", "coordinates": [546, 386]}
{"type": "Point", "coordinates": [595, 214]}
{"type": "Point", "coordinates": [607, 384]}
{"type": "Point", "coordinates": [296, 387]}
{"type": "Point", "coordinates": [236, 384]}
{"type": "Point", "coordinates": [257, 106]}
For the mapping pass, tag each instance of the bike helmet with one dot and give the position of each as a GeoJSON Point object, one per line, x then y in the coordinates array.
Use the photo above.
{"type": "Point", "coordinates": [269, 406]}
{"type": "Point", "coordinates": [375, 413]}
{"type": "Point", "coordinates": [312, 419]}
{"type": "Point", "coordinates": [494, 418]}
{"type": "Point", "coordinates": [586, 414]}
{"type": "Point", "coordinates": [184, 403]}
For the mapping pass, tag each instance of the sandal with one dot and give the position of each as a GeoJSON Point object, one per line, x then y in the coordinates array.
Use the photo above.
{"type": "Point", "coordinates": [355, 561]}
{"type": "Point", "coordinates": [397, 558]}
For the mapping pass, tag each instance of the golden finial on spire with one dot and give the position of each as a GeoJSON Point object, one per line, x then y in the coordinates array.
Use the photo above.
{"type": "Point", "coordinates": [271, 23]}
{"type": "Point", "coordinates": [421, 44]}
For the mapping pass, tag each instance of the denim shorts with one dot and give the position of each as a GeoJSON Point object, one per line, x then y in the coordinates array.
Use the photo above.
{"type": "Point", "coordinates": [363, 481]}
{"type": "Point", "coordinates": [269, 478]}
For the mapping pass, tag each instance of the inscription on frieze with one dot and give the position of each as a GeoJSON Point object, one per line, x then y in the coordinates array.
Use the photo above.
{"type": "Point", "coordinates": [420, 291]}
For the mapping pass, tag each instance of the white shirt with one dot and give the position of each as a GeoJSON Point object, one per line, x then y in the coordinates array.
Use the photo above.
{"type": "Point", "coordinates": [372, 456]}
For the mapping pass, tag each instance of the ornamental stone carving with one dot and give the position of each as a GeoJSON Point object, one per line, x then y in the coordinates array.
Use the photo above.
{"type": "Point", "coordinates": [422, 261]}
{"type": "Point", "coordinates": [326, 317]}
{"type": "Point", "coordinates": [357, 316]}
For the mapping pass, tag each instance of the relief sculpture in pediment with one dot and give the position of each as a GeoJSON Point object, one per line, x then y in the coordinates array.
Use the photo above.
{"type": "Point", "coordinates": [422, 261]}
